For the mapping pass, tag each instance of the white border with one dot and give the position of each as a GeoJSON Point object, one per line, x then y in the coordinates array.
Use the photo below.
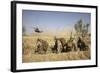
{"type": "Point", "coordinates": [21, 65]}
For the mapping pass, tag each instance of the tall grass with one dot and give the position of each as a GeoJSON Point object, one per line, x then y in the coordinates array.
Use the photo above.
{"type": "Point", "coordinates": [29, 46]}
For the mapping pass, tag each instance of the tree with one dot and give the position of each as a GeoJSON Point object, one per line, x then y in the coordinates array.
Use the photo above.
{"type": "Point", "coordinates": [80, 28]}
{"type": "Point", "coordinates": [87, 27]}
{"type": "Point", "coordinates": [80, 25]}
{"type": "Point", "coordinates": [23, 30]}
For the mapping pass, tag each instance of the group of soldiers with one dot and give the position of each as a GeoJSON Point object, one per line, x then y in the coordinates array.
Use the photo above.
{"type": "Point", "coordinates": [61, 45]}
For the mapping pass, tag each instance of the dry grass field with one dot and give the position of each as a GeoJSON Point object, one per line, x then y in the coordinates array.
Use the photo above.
{"type": "Point", "coordinates": [29, 46]}
{"type": "Point", "coordinates": [80, 55]}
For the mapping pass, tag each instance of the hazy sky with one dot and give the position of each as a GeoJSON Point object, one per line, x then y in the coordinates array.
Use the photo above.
{"type": "Point", "coordinates": [52, 20]}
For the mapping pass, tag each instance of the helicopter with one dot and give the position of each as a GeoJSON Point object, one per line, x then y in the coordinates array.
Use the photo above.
{"type": "Point", "coordinates": [37, 30]}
